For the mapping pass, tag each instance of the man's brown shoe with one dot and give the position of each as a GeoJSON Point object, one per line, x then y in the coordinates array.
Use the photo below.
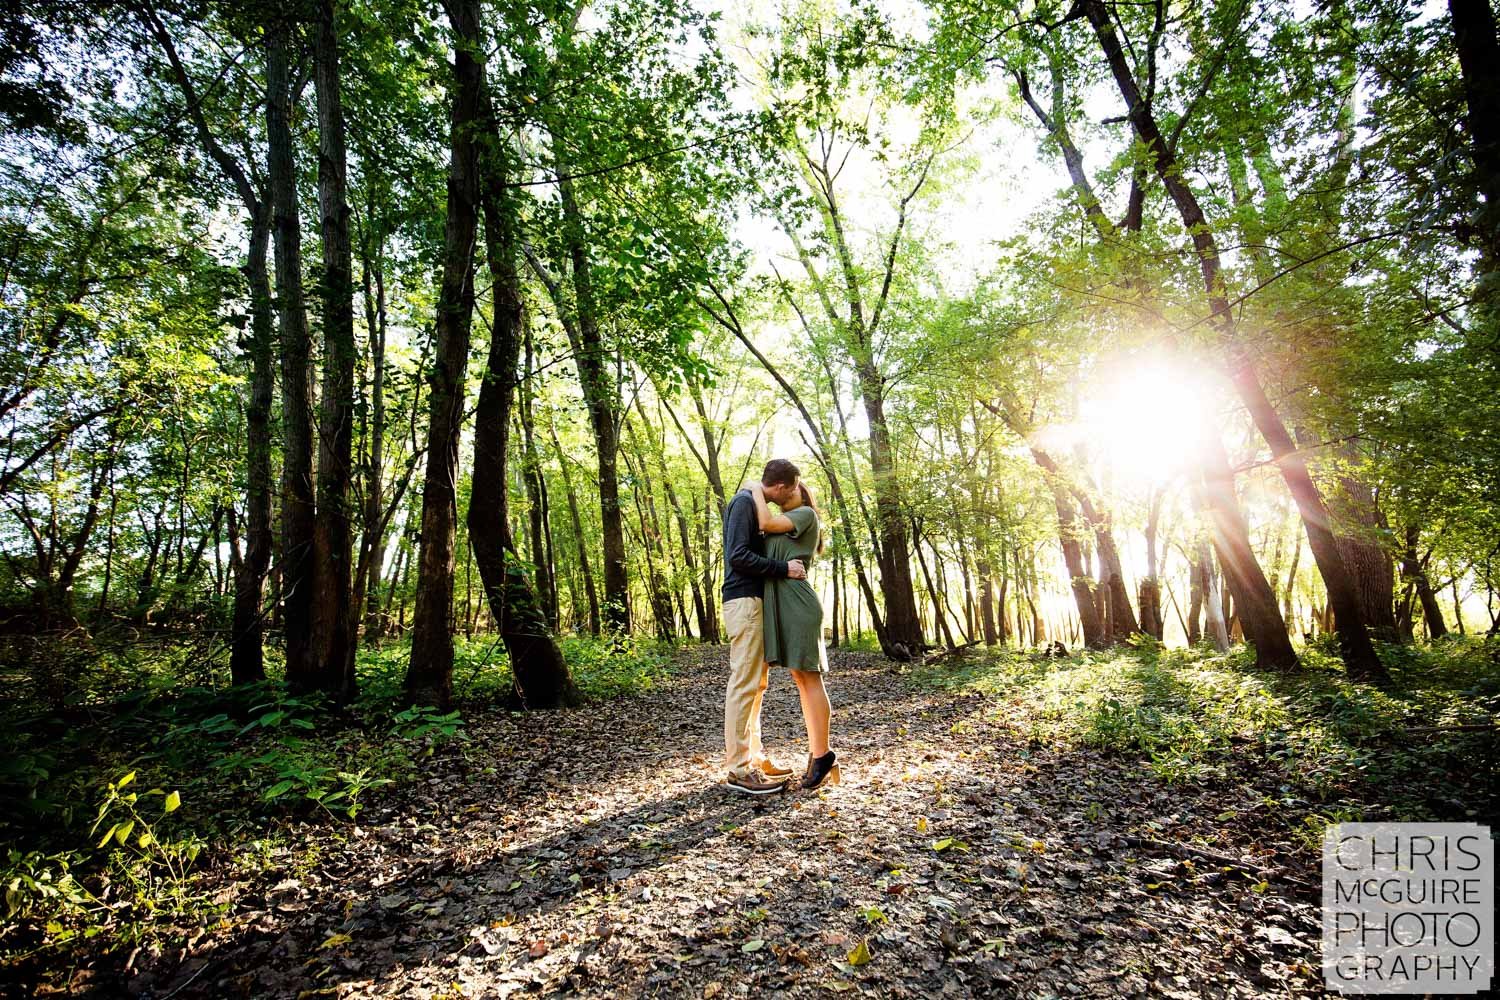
{"type": "Point", "coordinates": [754, 783]}
{"type": "Point", "coordinates": [773, 770]}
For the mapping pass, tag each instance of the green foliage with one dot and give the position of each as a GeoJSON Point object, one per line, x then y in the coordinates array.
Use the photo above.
{"type": "Point", "coordinates": [42, 883]}
{"type": "Point", "coordinates": [175, 772]}
{"type": "Point", "coordinates": [614, 666]}
{"type": "Point", "coordinates": [1192, 715]}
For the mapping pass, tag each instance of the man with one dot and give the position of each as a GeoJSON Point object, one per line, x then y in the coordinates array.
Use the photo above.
{"type": "Point", "coordinates": [745, 571]}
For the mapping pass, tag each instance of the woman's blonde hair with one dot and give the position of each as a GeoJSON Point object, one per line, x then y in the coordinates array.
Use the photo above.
{"type": "Point", "coordinates": [807, 500]}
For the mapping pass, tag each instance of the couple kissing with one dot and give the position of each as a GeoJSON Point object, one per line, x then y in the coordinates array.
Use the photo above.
{"type": "Point", "coordinates": [774, 618]}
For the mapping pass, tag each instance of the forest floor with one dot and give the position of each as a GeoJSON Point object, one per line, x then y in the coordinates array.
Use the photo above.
{"type": "Point", "coordinates": [594, 853]}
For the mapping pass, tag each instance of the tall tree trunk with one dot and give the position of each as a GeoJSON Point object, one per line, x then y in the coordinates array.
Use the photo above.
{"type": "Point", "coordinates": [333, 612]}
{"type": "Point", "coordinates": [903, 627]}
{"type": "Point", "coordinates": [246, 655]}
{"type": "Point", "coordinates": [429, 675]}
{"type": "Point", "coordinates": [859, 329]}
{"type": "Point", "coordinates": [540, 674]}
{"type": "Point", "coordinates": [298, 517]}
{"type": "Point", "coordinates": [1359, 653]}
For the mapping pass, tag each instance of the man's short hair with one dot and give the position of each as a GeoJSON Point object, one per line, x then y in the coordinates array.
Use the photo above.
{"type": "Point", "coordinates": [779, 471]}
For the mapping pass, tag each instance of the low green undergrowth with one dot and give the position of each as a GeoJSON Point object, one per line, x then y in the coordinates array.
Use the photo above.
{"type": "Point", "coordinates": [118, 793]}
{"type": "Point", "coordinates": [1192, 715]}
{"type": "Point", "coordinates": [602, 667]}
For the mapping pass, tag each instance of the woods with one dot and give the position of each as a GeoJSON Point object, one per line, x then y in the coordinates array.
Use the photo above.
{"type": "Point", "coordinates": [389, 360]}
{"type": "Point", "coordinates": [856, 336]}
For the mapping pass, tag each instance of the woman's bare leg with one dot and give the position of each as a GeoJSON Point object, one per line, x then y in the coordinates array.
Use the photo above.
{"type": "Point", "coordinates": [815, 709]}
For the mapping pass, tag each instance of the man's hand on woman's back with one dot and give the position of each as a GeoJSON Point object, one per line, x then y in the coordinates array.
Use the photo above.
{"type": "Point", "coordinates": [795, 570]}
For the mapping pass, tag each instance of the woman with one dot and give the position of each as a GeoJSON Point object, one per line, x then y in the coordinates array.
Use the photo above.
{"type": "Point", "coordinates": [793, 618]}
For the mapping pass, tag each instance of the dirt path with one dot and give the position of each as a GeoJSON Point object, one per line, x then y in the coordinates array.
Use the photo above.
{"type": "Point", "coordinates": [592, 853]}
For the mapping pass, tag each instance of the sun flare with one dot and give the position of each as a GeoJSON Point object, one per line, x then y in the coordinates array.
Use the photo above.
{"type": "Point", "coordinates": [1146, 419]}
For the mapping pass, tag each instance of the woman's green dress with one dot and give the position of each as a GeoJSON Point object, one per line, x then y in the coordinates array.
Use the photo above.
{"type": "Point", "coordinates": [793, 615]}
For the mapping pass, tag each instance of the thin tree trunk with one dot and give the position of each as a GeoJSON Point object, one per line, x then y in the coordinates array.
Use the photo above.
{"type": "Point", "coordinates": [838, 588]}
{"type": "Point", "coordinates": [987, 602]}
{"type": "Point", "coordinates": [246, 656]}
{"type": "Point", "coordinates": [1458, 608]}
{"type": "Point", "coordinates": [939, 620]}
{"type": "Point", "coordinates": [1212, 601]}
{"type": "Point", "coordinates": [536, 492]}
{"type": "Point", "coordinates": [652, 541]}
{"type": "Point", "coordinates": [1068, 530]}
{"type": "Point", "coordinates": [595, 623]}
{"type": "Point", "coordinates": [590, 355]}
{"type": "Point", "coordinates": [372, 546]}
{"type": "Point", "coordinates": [710, 447]}
{"type": "Point", "coordinates": [1415, 570]}
{"type": "Point", "coordinates": [1289, 603]}
{"type": "Point", "coordinates": [707, 630]}
{"type": "Point", "coordinates": [398, 583]}
{"type": "Point", "coordinates": [1150, 587]}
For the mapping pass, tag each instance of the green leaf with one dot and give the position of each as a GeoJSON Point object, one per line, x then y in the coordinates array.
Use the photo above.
{"type": "Point", "coordinates": [173, 801]}
{"type": "Point", "coordinates": [861, 953]}
{"type": "Point", "coordinates": [125, 780]}
{"type": "Point", "coordinates": [277, 790]}
{"type": "Point", "coordinates": [752, 946]}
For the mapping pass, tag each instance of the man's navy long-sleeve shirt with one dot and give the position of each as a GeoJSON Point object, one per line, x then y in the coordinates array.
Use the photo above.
{"type": "Point", "coordinates": [745, 564]}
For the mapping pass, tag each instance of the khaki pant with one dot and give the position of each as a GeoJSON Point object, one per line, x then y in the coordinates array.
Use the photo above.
{"type": "Point", "coordinates": [748, 672]}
